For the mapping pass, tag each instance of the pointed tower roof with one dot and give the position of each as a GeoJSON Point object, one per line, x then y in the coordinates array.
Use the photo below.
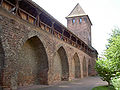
{"type": "Point", "coordinates": [77, 11]}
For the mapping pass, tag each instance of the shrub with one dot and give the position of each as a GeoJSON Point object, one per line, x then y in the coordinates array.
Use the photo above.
{"type": "Point", "coordinates": [116, 82]}
{"type": "Point", "coordinates": [103, 67]}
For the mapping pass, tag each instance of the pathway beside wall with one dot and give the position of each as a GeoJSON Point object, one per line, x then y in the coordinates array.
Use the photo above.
{"type": "Point", "coordinates": [82, 84]}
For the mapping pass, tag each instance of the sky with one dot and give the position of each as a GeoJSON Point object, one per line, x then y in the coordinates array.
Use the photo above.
{"type": "Point", "coordinates": [104, 15]}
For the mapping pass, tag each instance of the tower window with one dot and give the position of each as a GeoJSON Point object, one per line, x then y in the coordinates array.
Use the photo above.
{"type": "Point", "coordinates": [73, 21]}
{"type": "Point", "coordinates": [80, 20]}
{"type": "Point", "coordinates": [85, 19]}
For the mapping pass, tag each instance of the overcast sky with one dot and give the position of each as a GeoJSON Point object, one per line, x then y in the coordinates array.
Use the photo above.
{"type": "Point", "coordinates": [104, 15]}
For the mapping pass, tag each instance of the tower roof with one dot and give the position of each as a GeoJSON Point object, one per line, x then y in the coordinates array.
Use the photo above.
{"type": "Point", "coordinates": [77, 11]}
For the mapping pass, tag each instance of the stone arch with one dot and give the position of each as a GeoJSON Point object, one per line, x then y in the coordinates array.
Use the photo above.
{"type": "Point", "coordinates": [63, 68]}
{"type": "Point", "coordinates": [2, 60]}
{"type": "Point", "coordinates": [89, 67]}
{"type": "Point", "coordinates": [77, 70]}
{"type": "Point", "coordinates": [84, 67]}
{"type": "Point", "coordinates": [33, 63]}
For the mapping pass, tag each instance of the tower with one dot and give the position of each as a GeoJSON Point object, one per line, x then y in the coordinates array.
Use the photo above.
{"type": "Point", "coordinates": [79, 23]}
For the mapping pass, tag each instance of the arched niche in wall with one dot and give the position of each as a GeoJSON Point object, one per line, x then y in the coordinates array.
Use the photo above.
{"type": "Point", "coordinates": [84, 67]}
{"type": "Point", "coordinates": [89, 67]}
{"type": "Point", "coordinates": [2, 60]}
{"type": "Point", "coordinates": [64, 64]}
{"type": "Point", "coordinates": [33, 63]}
{"type": "Point", "coordinates": [77, 70]}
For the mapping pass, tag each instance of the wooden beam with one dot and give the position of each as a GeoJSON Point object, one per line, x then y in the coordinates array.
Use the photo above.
{"type": "Point", "coordinates": [53, 27]}
{"type": "Point", "coordinates": [76, 40]}
{"type": "Point", "coordinates": [38, 18]}
{"type": "Point", "coordinates": [17, 7]}
{"type": "Point", "coordinates": [62, 33]}
{"type": "Point", "coordinates": [1, 2]}
{"type": "Point", "coordinates": [70, 36]}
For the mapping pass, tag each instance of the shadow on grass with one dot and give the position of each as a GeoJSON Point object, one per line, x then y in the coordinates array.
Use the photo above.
{"type": "Point", "coordinates": [104, 88]}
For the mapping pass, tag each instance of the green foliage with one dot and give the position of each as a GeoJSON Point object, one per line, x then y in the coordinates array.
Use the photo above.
{"type": "Point", "coordinates": [103, 67]}
{"type": "Point", "coordinates": [100, 88]}
{"type": "Point", "coordinates": [116, 82]}
{"type": "Point", "coordinates": [109, 66]}
{"type": "Point", "coordinates": [112, 52]}
{"type": "Point", "coordinates": [103, 88]}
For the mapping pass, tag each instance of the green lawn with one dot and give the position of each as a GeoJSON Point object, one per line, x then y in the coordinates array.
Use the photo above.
{"type": "Point", "coordinates": [103, 88]}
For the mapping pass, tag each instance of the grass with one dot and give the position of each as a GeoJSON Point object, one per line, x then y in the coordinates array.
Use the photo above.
{"type": "Point", "coordinates": [104, 88]}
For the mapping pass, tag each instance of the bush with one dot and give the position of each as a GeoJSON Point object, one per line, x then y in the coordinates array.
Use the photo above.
{"type": "Point", "coordinates": [116, 82]}
{"type": "Point", "coordinates": [104, 70]}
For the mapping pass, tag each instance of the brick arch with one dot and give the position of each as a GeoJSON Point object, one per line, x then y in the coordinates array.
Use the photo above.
{"type": "Point", "coordinates": [65, 48]}
{"type": "Point", "coordinates": [31, 34]}
{"type": "Point", "coordinates": [77, 70]}
{"type": "Point", "coordinates": [84, 66]}
{"type": "Point", "coordinates": [33, 63]}
{"type": "Point", "coordinates": [64, 64]}
{"type": "Point", "coordinates": [2, 62]}
{"type": "Point", "coordinates": [66, 51]}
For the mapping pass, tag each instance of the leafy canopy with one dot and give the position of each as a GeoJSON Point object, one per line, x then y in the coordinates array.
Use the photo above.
{"type": "Point", "coordinates": [109, 65]}
{"type": "Point", "coordinates": [112, 52]}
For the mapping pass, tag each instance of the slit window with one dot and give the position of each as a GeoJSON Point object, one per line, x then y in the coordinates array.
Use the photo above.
{"type": "Point", "coordinates": [80, 20]}
{"type": "Point", "coordinates": [73, 21]}
{"type": "Point", "coordinates": [85, 19]}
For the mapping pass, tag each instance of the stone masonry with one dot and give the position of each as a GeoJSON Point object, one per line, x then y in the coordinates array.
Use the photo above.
{"type": "Point", "coordinates": [81, 25]}
{"type": "Point", "coordinates": [31, 53]}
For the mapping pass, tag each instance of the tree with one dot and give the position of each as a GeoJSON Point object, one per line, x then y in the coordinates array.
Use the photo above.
{"type": "Point", "coordinates": [104, 69]}
{"type": "Point", "coordinates": [108, 66]}
{"type": "Point", "coordinates": [112, 52]}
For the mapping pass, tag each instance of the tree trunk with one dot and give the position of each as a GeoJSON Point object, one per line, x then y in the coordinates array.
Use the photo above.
{"type": "Point", "coordinates": [108, 83]}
